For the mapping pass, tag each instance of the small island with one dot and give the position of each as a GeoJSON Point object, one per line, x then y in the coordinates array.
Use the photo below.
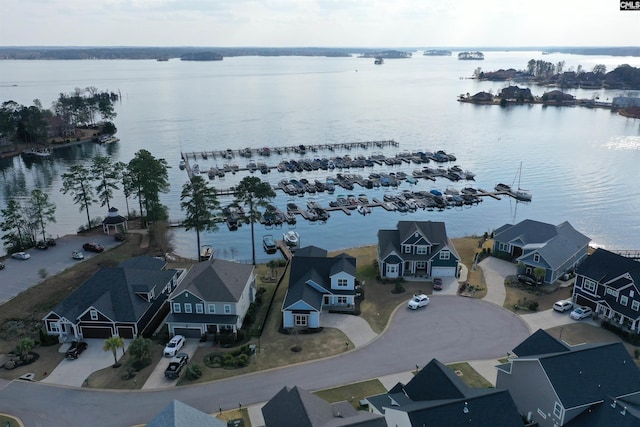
{"type": "Point", "coordinates": [386, 54]}
{"type": "Point", "coordinates": [201, 56]}
{"type": "Point", "coordinates": [471, 56]}
{"type": "Point", "coordinates": [436, 52]}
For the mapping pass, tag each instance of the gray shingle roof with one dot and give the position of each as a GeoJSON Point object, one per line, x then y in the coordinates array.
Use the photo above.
{"type": "Point", "coordinates": [435, 232]}
{"type": "Point", "coordinates": [216, 280]}
{"type": "Point", "coordinates": [604, 266]}
{"type": "Point", "coordinates": [540, 342]}
{"type": "Point", "coordinates": [178, 414]}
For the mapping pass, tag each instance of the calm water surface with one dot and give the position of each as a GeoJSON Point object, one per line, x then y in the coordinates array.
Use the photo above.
{"type": "Point", "coordinates": [582, 165]}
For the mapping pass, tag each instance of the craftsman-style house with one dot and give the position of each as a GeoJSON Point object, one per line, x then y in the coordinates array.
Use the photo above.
{"type": "Point", "coordinates": [417, 248]}
{"type": "Point", "coordinates": [213, 298]}
{"type": "Point", "coordinates": [610, 284]}
{"type": "Point", "coordinates": [557, 249]}
{"type": "Point", "coordinates": [120, 300]}
{"type": "Point", "coordinates": [316, 283]}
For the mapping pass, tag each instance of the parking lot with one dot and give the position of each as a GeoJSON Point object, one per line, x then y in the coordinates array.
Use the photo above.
{"type": "Point", "coordinates": [19, 275]}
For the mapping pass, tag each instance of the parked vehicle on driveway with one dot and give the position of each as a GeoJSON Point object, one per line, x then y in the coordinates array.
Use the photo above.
{"type": "Point", "coordinates": [77, 255]}
{"type": "Point", "coordinates": [178, 362]}
{"type": "Point", "coordinates": [528, 280]}
{"type": "Point", "coordinates": [21, 256]}
{"type": "Point", "coordinates": [581, 313]}
{"type": "Point", "coordinates": [42, 245]}
{"type": "Point", "coordinates": [76, 348]}
{"type": "Point", "coordinates": [418, 301]}
{"type": "Point", "coordinates": [437, 284]}
{"type": "Point", "coordinates": [92, 247]}
{"type": "Point", "coordinates": [562, 305]}
{"type": "Point", "coordinates": [174, 345]}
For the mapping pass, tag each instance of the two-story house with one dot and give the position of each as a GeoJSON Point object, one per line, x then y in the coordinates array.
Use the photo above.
{"type": "Point", "coordinates": [609, 284]}
{"type": "Point", "coordinates": [318, 282]}
{"type": "Point", "coordinates": [570, 385]}
{"type": "Point", "coordinates": [213, 298]}
{"type": "Point", "coordinates": [437, 397]}
{"type": "Point", "coordinates": [557, 249]}
{"type": "Point", "coordinates": [417, 248]}
{"type": "Point", "coordinates": [120, 300]}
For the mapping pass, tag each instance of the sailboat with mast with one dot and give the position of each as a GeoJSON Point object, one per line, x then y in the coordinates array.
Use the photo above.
{"type": "Point", "coordinates": [520, 193]}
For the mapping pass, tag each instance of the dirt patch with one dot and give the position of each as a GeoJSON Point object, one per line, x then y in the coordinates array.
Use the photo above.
{"type": "Point", "coordinates": [48, 360]}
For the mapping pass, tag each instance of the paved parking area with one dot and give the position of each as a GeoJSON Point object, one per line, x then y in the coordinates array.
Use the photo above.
{"type": "Point", "coordinates": [75, 372]}
{"type": "Point", "coordinates": [21, 275]}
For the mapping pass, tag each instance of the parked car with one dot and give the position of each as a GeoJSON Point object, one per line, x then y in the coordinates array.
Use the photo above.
{"type": "Point", "coordinates": [77, 255]}
{"type": "Point", "coordinates": [581, 313]}
{"type": "Point", "coordinates": [437, 284]}
{"type": "Point", "coordinates": [51, 241]}
{"type": "Point", "coordinates": [75, 349]}
{"type": "Point", "coordinates": [42, 245]}
{"type": "Point", "coordinates": [418, 301]}
{"type": "Point", "coordinates": [528, 280]}
{"type": "Point", "coordinates": [178, 362]}
{"type": "Point", "coordinates": [92, 247]}
{"type": "Point", "coordinates": [174, 345]}
{"type": "Point", "coordinates": [1, 266]}
{"type": "Point", "coordinates": [21, 256]}
{"type": "Point", "coordinates": [562, 305]}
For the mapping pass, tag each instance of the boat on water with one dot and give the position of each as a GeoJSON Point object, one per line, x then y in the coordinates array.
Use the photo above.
{"type": "Point", "coordinates": [37, 152]}
{"type": "Point", "coordinates": [195, 170]}
{"type": "Point", "coordinates": [206, 252]}
{"type": "Point", "coordinates": [269, 244]}
{"type": "Point", "coordinates": [522, 194]}
{"type": "Point", "coordinates": [363, 209]}
{"type": "Point", "coordinates": [182, 164]}
{"type": "Point", "coordinates": [291, 238]}
{"type": "Point", "coordinates": [502, 187]}
{"type": "Point", "coordinates": [378, 61]}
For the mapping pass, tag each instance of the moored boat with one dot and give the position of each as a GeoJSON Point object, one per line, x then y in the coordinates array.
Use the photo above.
{"type": "Point", "coordinates": [206, 252]}
{"type": "Point", "coordinates": [269, 244]}
{"type": "Point", "coordinates": [291, 238]}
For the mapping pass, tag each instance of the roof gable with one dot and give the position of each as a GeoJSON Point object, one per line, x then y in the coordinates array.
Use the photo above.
{"type": "Point", "coordinates": [540, 342]}
{"type": "Point", "coordinates": [217, 280]}
{"type": "Point", "coordinates": [604, 266]}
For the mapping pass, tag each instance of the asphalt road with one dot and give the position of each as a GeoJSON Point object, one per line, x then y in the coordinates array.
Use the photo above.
{"type": "Point", "coordinates": [21, 275]}
{"type": "Point", "coordinates": [450, 329]}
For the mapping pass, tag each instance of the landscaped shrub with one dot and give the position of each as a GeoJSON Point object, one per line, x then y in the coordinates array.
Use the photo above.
{"type": "Point", "coordinates": [140, 364]}
{"type": "Point", "coordinates": [533, 305]}
{"type": "Point", "coordinates": [129, 373]}
{"type": "Point", "coordinates": [194, 372]}
{"type": "Point", "coordinates": [47, 340]}
{"type": "Point", "coordinates": [242, 360]}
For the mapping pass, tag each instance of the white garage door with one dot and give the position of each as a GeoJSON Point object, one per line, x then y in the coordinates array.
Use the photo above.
{"type": "Point", "coordinates": [443, 271]}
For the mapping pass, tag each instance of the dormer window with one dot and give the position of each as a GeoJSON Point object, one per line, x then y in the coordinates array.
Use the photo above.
{"type": "Point", "coordinates": [406, 249]}
{"type": "Point", "coordinates": [422, 250]}
{"type": "Point", "coordinates": [343, 283]}
{"type": "Point", "coordinates": [536, 258]}
{"type": "Point", "coordinates": [93, 314]}
{"type": "Point", "coordinates": [445, 255]}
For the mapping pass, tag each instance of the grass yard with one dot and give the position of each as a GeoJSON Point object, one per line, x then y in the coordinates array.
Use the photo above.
{"type": "Point", "coordinates": [352, 393]}
{"type": "Point", "coordinates": [520, 295]}
{"type": "Point", "coordinates": [469, 375]}
{"type": "Point", "coordinates": [235, 414]}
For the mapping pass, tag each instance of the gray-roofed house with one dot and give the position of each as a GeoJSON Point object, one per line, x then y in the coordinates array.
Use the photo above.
{"type": "Point", "coordinates": [318, 282]}
{"type": "Point", "coordinates": [297, 407]}
{"type": "Point", "coordinates": [120, 300]}
{"type": "Point", "coordinates": [417, 248]}
{"type": "Point", "coordinates": [557, 249]}
{"type": "Point", "coordinates": [213, 298]}
{"type": "Point", "coordinates": [609, 283]}
{"type": "Point", "coordinates": [178, 414]}
{"type": "Point", "coordinates": [437, 397]}
{"type": "Point", "coordinates": [540, 342]}
{"type": "Point", "coordinates": [552, 389]}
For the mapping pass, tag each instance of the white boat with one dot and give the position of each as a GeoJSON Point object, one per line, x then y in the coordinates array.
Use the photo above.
{"type": "Point", "coordinates": [38, 152]}
{"type": "Point", "coordinates": [195, 169]}
{"type": "Point", "coordinates": [291, 238]}
{"type": "Point", "coordinates": [363, 209]}
{"type": "Point", "coordinates": [182, 164]}
{"type": "Point", "coordinates": [520, 193]}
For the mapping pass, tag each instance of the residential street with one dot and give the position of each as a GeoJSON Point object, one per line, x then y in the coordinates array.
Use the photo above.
{"type": "Point", "coordinates": [450, 329]}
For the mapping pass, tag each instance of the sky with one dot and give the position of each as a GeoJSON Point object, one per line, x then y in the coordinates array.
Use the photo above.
{"type": "Point", "coordinates": [318, 23]}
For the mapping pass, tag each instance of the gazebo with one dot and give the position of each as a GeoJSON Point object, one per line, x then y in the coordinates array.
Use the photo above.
{"type": "Point", "coordinates": [115, 221]}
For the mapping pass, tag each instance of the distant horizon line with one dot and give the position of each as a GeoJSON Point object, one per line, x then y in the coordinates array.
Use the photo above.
{"type": "Point", "coordinates": [320, 47]}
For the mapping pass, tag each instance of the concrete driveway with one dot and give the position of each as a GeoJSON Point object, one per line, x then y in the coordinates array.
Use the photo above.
{"type": "Point", "coordinates": [157, 380]}
{"type": "Point", "coordinates": [21, 275]}
{"type": "Point", "coordinates": [354, 327]}
{"type": "Point", "coordinates": [495, 271]}
{"type": "Point", "coordinates": [75, 372]}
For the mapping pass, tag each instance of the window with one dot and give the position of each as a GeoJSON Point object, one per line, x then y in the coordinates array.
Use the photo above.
{"type": "Point", "coordinates": [392, 268]}
{"type": "Point", "coordinates": [612, 292]}
{"type": "Point", "coordinates": [536, 258]}
{"type": "Point", "coordinates": [227, 309]}
{"type": "Point", "coordinates": [445, 254]}
{"type": "Point", "coordinates": [421, 265]}
{"type": "Point", "coordinates": [53, 327]}
{"type": "Point", "coordinates": [635, 305]}
{"type": "Point", "coordinates": [631, 294]}
{"type": "Point", "coordinates": [406, 249]}
{"type": "Point", "coordinates": [177, 308]}
{"type": "Point", "coordinates": [589, 285]}
{"type": "Point", "coordinates": [199, 308]}
{"type": "Point", "coordinates": [300, 319]}
{"type": "Point", "coordinates": [342, 300]}
{"type": "Point", "coordinates": [93, 314]}
{"type": "Point", "coordinates": [187, 307]}
{"type": "Point", "coordinates": [503, 247]}
{"type": "Point", "coordinates": [342, 283]}
{"type": "Point", "coordinates": [557, 410]}
{"type": "Point", "coordinates": [211, 308]}
{"type": "Point", "coordinates": [624, 300]}
{"type": "Point", "coordinates": [421, 250]}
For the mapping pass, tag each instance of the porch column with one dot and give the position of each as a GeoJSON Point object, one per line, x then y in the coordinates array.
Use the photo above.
{"type": "Point", "coordinates": [634, 324]}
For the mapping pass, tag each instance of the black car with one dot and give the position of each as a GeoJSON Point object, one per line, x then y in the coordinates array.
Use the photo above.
{"type": "Point", "coordinates": [92, 247]}
{"type": "Point", "coordinates": [75, 349]}
{"type": "Point", "coordinates": [51, 242]}
{"type": "Point", "coordinates": [1, 266]}
{"type": "Point", "coordinates": [528, 280]}
{"type": "Point", "coordinates": [42, 245]}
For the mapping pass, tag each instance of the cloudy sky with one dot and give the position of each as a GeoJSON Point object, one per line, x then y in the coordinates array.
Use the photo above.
{"type": "Point", "coordinates": [362, 23]}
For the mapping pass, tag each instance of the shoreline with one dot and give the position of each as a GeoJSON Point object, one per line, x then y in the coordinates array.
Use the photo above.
{"type": "Point", "coordinates": [21, 147]}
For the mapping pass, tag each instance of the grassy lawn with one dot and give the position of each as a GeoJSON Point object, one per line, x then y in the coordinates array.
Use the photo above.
{"type": "Point", "coordinates": [235, 414]}
{"type": "Point", "coordinates": [469, 375]}
{"type": "Point", "coordinates": [352, 393]}
{"type": "Point", "coordinates": [467, 248]}
{"type": "Point", "coordinates": [522, 295]}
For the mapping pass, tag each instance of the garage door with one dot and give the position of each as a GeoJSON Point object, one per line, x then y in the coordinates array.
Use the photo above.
{"type": "Point", "coordinates": [125, 331]}
{"type": "Point", "coordinates": [96, 332]}
{"type": "Point", "coordinates": [443, 271]}
{"type": "Point", "coordinates": [188, 332]}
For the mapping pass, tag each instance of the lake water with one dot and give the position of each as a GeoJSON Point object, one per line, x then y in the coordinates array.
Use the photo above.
{"type": "Point", "coordinates": [582, 165]}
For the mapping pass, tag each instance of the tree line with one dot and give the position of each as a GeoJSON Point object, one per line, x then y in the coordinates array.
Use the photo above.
{"type": "Point", "coordinates": [83, 107]}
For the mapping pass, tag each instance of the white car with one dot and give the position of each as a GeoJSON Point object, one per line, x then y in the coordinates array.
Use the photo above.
{"type": "Point", "coordinates": [581, 313]}
{"type": "Point", "coordinates": [174, 346]}
{"type": "Point", "coordinates": [418, 301]}
{"type": "Point", "coordinates": [562, 305]}
{"type": "Point", "coordinates": [21, 255]}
